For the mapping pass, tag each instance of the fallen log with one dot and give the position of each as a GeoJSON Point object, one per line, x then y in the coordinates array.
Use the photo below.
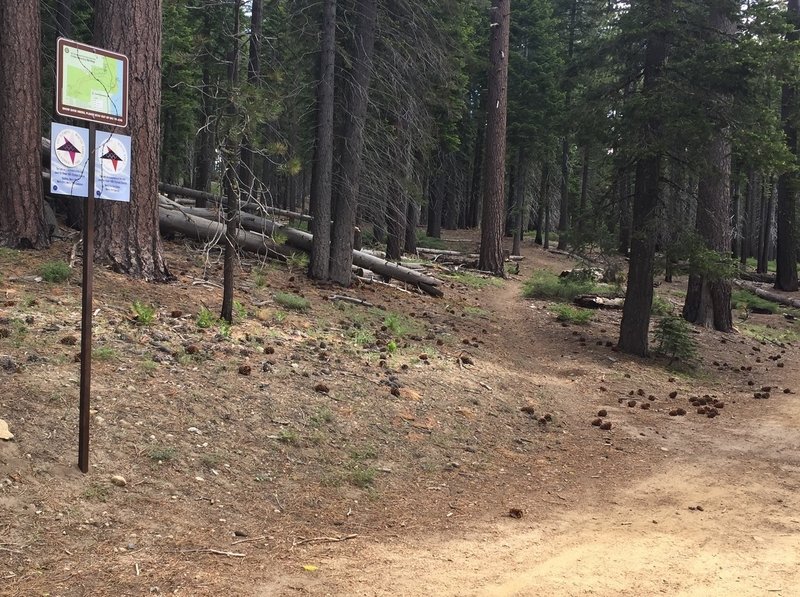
{"type": "Point", "coordinates": [756, 277]}
{"type": "Point", "coordinates": [201, 229]}
{"type": "Point", "coordinates": [593, 301]}
{"type": "Point", "coordinates": [302, 240]}
{"type": "Point", "coordinates": [781, 299]}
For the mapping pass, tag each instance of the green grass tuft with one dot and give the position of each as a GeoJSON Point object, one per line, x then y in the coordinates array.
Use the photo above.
{"type": "Point", "coordinates": [548, 286]}
{"type": "Point", "coordinates": [746, 300]}
{"type": "Point", "coordinates": [144, 314]}
{"type": "Point", "coordinates": [55, 271]}
{"type": "Point", "coordinates": [571, 314]}
{"type": "Point", "coordinates": [292, 301]}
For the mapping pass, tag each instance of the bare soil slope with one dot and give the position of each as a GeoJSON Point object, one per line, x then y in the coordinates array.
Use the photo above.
{"type": "Point", "coordinates": [383, 447]}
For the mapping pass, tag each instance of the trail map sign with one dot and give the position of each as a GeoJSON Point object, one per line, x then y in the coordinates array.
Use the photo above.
{"type": "Point", "coordinates": [92, 83]}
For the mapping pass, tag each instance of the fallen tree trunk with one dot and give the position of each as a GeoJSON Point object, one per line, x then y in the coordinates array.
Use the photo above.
{"type": "Point", "coordinates": [770, 296]}
{"type": "Point", "coordinates": [302, 240]}
{"type": "Point", "coordinates": [204, 230]}
{"type": "Point", "coordinates": [756, 277]}
{"type": "Point", "coordinates": [593, 301]}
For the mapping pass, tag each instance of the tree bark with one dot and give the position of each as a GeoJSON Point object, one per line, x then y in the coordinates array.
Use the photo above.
{"type": "Point", "coordinates": [412, 215]}
{"type": "Point", "coordinates": [582, 215]}
{"type": "Point", "coordinates": [231, 183]}
{"type": "Point", "coordinates": [544, 198]}
{"type": "Point", "coordinates": [519, 202]}
{"type": "Point", "coordinates": [435, 205]}
{"type": "Point", "coordinates": [346, 181]}
{"type": "Point", "coordinates": [708, 297]}
{"type": "Point", "coordinates": [127, 234]}
{"type": "Point", "coordinates": [491, 252]}
{"type": "Point", "coordinates": [765, 237]}
{"type": "Point", "coordinates": [633, 337]}
{"type": "Point", "coordinates": [22, 223]}
{"type": "Point", "coordinates": [563, 219]}
{"type": "Point", "coordinates": [322, 172]}
{"type": "Point", "coordinates": [789, 182]}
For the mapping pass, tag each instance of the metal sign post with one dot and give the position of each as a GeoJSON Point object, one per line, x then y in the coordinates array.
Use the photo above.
{"type": "Point", "coordinates": [86, 310]}
{"type": "Point", "coordinates": [91, 84]}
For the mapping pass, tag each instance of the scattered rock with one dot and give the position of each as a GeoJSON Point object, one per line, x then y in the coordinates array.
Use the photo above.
{"type": "Point", "coordinates": [245, 370]}
{"type": "Point", "coordinates": [516, 513]}
{"type": "Point", "coordinates": [631, 403]}
{"type": "Point", "coordinates": [640, 392]}
{"type": "Point", "coordinates": [645, 406]}
{"type": "Point", "coordinates": [606, 426]}
{"type": "Point", "coordinates": [528, 408]}
{"type": "Point", "coordinates": [673, 394]}
{"type": "Point", "coordinates": [602, 413]}
{"type": "Point", "coordinates": [322, 388]}
{"type": "Point", "coordinates": [423, 357]}
{"type": "Point", "coordinates": [119, 481]}
{"type": "Point", "coordinates": [597, 422]}
{"type": "Point", "coordinates": [69, 340]}
{"type": "Point", "coordinates": [176, 314]}
{"type": "Point", "coordinates": [5, 434]}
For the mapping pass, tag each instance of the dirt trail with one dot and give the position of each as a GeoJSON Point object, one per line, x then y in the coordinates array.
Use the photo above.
{"type": "Point", "coordinates": [713, 512]}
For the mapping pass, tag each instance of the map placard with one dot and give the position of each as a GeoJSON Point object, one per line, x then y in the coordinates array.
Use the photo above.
{"type": "Point", "coordinates": [92, 83]}
{"type": "Point", "coordinates": [112, 169]}
{"type": "Point", "coordinates": [69, 160]}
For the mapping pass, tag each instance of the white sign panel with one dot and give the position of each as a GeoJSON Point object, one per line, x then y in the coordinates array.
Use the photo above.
{"type": "Point", "coordinates": [69, 160]}
{"type": "Point", "coordinates": [112, 174]}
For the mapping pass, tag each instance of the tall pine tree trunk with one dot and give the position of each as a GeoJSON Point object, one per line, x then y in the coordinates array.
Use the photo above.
{"type": "Point", "coordinates": [322, 173]}
{"type": "Point", "coordinates": [412, 216]}
{"type": "Point", "coordinates": [633, 337]}
{"type": "Point", "coordinates": [564, 213]}
{"type": "Point", "coordinates": [491, 251]}
{"type": "Point", "coordinates": [231, 183]}
{"type": "Point", "coordinates": [351, 143]}
{"type": "Point", "coordinates": [544, 198]}
{"type": "Point", "coordinates": [789, 182]}
{"type": "Point", "coordinates": [708, 297]}
{"type": "Point", "coordinates": [22, 223]}
{"type": "Point", "coordinates": [127, 234]}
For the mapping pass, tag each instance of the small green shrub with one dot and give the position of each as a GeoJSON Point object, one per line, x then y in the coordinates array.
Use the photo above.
{"type": "Point", "coordinates": [570, 314]}
{"type": "Point", "coordinates": [744, 299]}
{"type": "Point", "coordinates": [288, 436]}
{"type": "Point", "coordinates": [205, 319]}
{"type": "Point", "coordinates": [474, 280]}
{"type": "Point", "coordinates": [144, 314]}
{"type": "Point", "coordinates": [259, 278]}
{"type": "Point", "coordinates": [292, 301]}
{"type": "Point", "coordinates": [364, 453]}
{"type": "Point", "coordinates": [429, 242]}
{"type": "Point", "coordinates": [104, 353]}
{"type": "Point", "coordinates": [548, 286]}
{"type": "Point", "coordinates": [239, 311]}
{"type": "Point", "coordinates": [363, 477]}
{"type": "Point", "coordinates": [391, 346]}
{"type": "Point", "coordinates": [297, 261]}
{"type": "Point", "coordinates": [675, 339]}
{"type": "Point", "coordinates": [322, 416]}
{"type": "Point", "coordinates": [162, 453]}
{"type": "Point", "coordinates": [55, 271]}
{"type": "Point", "coordinates": [662, 306]}
{"type": "Point", "coordinates": [279, 316]}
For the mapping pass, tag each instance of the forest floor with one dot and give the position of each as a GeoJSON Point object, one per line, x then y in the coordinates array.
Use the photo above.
{"type": "Point", "coordinates": [289, 455]}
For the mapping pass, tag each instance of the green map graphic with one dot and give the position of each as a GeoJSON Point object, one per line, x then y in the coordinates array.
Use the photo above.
{"type": "Point", "coordinates": [92, 82]}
